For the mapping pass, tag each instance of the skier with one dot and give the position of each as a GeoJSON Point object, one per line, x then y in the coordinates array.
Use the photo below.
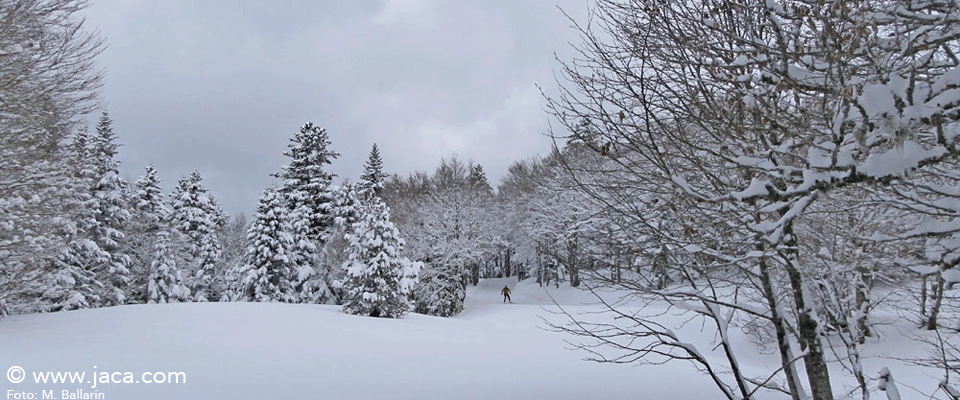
{"type": "Point", "coordinates": [506, 294]}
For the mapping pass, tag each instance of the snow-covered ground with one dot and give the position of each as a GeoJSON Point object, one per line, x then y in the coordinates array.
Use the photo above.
{"type": "Point", "coordinates": [280, 351]}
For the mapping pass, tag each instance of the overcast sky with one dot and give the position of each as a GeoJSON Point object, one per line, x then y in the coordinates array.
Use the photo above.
{"type": "Point", "coordinates": [221, 85]}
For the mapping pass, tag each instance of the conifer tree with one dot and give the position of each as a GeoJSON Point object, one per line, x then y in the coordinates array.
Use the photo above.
{"type": "Point", "coordinates": [309, 198]}
{"type": "Point", "coordinates": [92, 270]}
{"type": "Point", "coordinates": [346, 204]}
{"type": "Point", "coordinates": [267, 272]}
{"type": "Point", "coordinates": [165, 283]}
{"type": "Point", "coordinates": [306, 185]}
{"type": "Point", "coordinates": [149, 216]}
{"type": "Point", "coordinates": [373, 175]}
{"type": "Point", "coordinates": [198, 218]}
{"type": "Point", "coordinates": [70, 281]}
{"type": "Point", "coordinates": [111, 214]}
{"type": "Point", "coordinates": [478, 180]}
{"type": "Point", "coordinates": [378, 279]}
{"type": "Point", "coordinates": [148, 201]}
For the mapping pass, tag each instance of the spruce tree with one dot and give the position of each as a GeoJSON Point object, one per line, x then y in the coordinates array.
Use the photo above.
{"type": "Point", "coordinates": [372, 177]}
{"type": "Point", "coordinates": [148, 201]}
{"type": "Point", "coordinates": [309, 198]}
{"type": "Point", "coordinates": [149, 216]}
{"type": "Point", "coordinates": [378, 279]}
{"type": "Point", "coordinates": [306, 185]}
{"type": "Point", "coordinates": [198, 218]}
{"type": "Point", "coordinates": [70, 280]}
{"type": "Point", "coordinates": [477, 181]}
{"type": "Point", "coordinates": [92, 270]}
{"type": "Point", "coordinates": [110, 213]}
{"type": "Point", "coordinates": [165, 282]}
{"type": "Point", "coordinates": [346, 204]}
{"type": "Point", "coordinates": [267, 272]}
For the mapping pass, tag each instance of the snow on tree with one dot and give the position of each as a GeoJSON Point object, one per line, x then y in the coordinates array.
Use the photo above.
{"type": "Point", "coordinates": [478, 180]}
{"type": "Point", "coordinates": [307, 193]}
{"type": "Point", "coordinates": [148, 200]}
{"type": "Point", "coordinates": [45, 90]}
{"type": "Point", "coordinates": [198, 217]}
{"type": "Point", "coordinates": [441, 291]}
{"type": "Point", "coordinates": [165, 283]}
{"type": "Point", "coordinates": [109, 207]}
{"type": "Point", "coordinates": [445, 218]}
{"type": "Point", "coordinates": [741, 116]}
{"type": "Point", "coordinates": [233, 241]}
{"type": "Point", "coordinates": [305, 184]}
{"type": "Point", "coordinates": [373, 175]}
{"type": "Point", "coordinates": [346, 204]}
{"type": "Point", "coordinates": [378, 279]}
{"type": "Point", "coordinates": [149, 216]}
{"type": "Point", "coordinates": [347, 208]}
{"type": "Point", "coordinates": [92, 269]}
{"type": "Point", "coordinates": [268, 272]}
{"type": "Point", "coordinates": [68, 285]}
{"type": "Point", "coordinates": [69, 281]}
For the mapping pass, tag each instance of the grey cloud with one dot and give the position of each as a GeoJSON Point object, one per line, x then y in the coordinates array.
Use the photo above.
{"type": "Point", "coordinates": [221, 85]}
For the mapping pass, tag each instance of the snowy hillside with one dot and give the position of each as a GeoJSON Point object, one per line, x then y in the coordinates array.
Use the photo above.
{"type": "Point", "coordinates": [282, 351]}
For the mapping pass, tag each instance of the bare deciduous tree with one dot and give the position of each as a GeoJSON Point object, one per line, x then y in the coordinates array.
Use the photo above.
{"type": "Point", "coordinates": [736, 116]}
{"type": "Point", "coordinates": [48, 80]}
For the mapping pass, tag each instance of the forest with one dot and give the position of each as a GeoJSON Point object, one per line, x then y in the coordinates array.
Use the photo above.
{"type": "Point", "coordinates": [784, 169]}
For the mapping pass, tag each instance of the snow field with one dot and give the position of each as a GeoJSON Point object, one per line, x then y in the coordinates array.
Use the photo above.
{"type": "Point", "coordinates": [283, 351]}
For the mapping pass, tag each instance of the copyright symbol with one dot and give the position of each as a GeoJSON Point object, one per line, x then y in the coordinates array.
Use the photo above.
{"type": "Point", "coordinates": [16, 374]}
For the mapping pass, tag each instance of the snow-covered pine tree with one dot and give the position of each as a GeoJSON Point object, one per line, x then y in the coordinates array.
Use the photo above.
{"type": "Point", "coordinates": [378, 279]}
{"type": "Point", "coordinates": [109, 209]}
{"type": "Point", "coordinates": [267, 272]}
{"type": "Point", "coordinates": [165, 282]}
{"type": "Point", "coordinates": [198, 218]}
{"type": "Point", "coordinates": [372, 177]}
{"type": "Point", "coordinates": [149, 216]}
{"type": "Point", "coordinates": [148, 201]}
{"type": "Point", "coordinates": [306, 185]}
{"type": "Point", "coordinates": [309, 199]}
{"type": "Point", "coordinates": [69, 280]}
{"type": "Point", "coordinates": [346, 211]}
{"type": "Point", "coordinates": [477, 181]}
{"type": "Point", "coordinates": [68, 285]}
{"type": "Point", "coordinates": [346, 204]}
{"type": "Point", "coordinates": [93, 270]}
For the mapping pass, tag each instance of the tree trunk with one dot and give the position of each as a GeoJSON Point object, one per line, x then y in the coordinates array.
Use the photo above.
{"type": "Point", "coordinates": [864, 286]}
{"type": "Point", "coordinates": [540, 267]}
{"type": "Point", "coordinates": [573, 265]}
{"type": "Point", "coordinates": [783, 341]}
{"type": "Point", "coordinates": [815, 361]}
{"type": "Point", "coordinates": [506, 262]}
{"type": "Point", "coordinates": [616, 266]}
{"type": "Point", "coordinates": [923, 295]}
{"type": "Point", "coordinates": [938, 292]}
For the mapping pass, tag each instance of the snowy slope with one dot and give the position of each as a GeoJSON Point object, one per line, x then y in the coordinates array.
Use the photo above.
{"type": "Point", "coordinates": [279, 351]}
